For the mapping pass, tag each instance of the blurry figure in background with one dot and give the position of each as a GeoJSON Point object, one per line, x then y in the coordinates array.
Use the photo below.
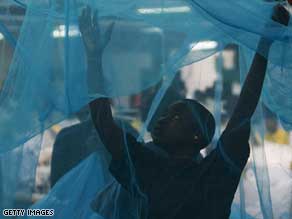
{"type": "Point", "coordinates": [72, 145]}
{"type": "Point", "coordinates": [174, 183]}
{"type": "Point", "coordinates": [75, 143]}
{"type": "Point", "coordinates": [274, 133]}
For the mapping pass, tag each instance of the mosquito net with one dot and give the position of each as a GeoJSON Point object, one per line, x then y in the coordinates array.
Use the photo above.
{"type": "Point", "coordinates": [60, 147]}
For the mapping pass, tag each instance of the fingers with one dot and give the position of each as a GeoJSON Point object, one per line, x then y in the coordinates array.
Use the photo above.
{"type": "Point", "coordinates": [282, 11]}
{"type": "Point", "coordinates": [281, 15]}
{"type": "Point", "coordinates": [95, 18]}
{"type": "Point", "coordinates": [81, 18]}
{"type": "Point", "coordinates": [87, 23]}
{"type": "Point", "coordinates": [90, 29]}
{"type": "Point", "coordinates": [95, 22]}
{"type": "Point", "coordinates": [108, 33]}
{"type": "Point", "coordinates": [85, 15]}
{"type": "Point", "coordinates": [110, 29]}
{"type": "Point", "coordinates": [88, 19]}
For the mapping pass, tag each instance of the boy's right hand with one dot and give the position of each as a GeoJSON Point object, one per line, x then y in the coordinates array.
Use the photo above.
{"type": "Point", "coordinates": [281, 15]}
{"type": "Point", "coordinates": [90, 31]}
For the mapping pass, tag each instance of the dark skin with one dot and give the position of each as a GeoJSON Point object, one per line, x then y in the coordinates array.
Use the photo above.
{"type": "Point", "coordinates": [167, 132]}
{"type": "Point", "coordinates": [175, 131]}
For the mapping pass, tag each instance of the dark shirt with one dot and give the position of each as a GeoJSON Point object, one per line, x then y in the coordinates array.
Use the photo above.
{"type": "Point", "coordinates": [173, 190]}
{"type": "Point", "coordinates": [72, 145]}
{"type": "Point", "coordinates": [176, 191]}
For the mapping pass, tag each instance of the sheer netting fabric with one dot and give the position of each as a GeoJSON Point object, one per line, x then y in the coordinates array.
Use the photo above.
{"type": "Point", "coordinates": [52, 156]}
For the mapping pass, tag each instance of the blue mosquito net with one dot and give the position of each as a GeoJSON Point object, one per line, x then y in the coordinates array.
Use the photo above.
{"type": "Point", "coordinates": [160, 51]}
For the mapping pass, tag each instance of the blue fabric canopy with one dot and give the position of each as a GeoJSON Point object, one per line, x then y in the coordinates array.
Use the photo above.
{"type": "Point", "coordinates": [47, 83]}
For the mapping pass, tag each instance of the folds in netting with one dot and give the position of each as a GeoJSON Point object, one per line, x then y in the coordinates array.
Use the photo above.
{"type": "Point", "coordinates": [159, 52]}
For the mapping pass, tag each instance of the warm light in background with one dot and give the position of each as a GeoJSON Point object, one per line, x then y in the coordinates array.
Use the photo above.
{"type": "Point", "coordinates": [60, 31]}
{"type": "Point", "coordinates": [181, 9]}
{"type": "Point", "coordinates": [204, 45]}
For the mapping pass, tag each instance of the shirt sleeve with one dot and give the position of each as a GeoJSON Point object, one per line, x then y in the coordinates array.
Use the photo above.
{"type": "Point", "coordinates": [131, 161]}
{"type": "Point", "coordinates": [233, 146]}
{"type": "Point", "coordinates": [134, 169]}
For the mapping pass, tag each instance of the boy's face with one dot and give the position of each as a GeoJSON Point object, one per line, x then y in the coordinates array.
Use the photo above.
{"type": "Point", "coordinates": [175, 127]}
